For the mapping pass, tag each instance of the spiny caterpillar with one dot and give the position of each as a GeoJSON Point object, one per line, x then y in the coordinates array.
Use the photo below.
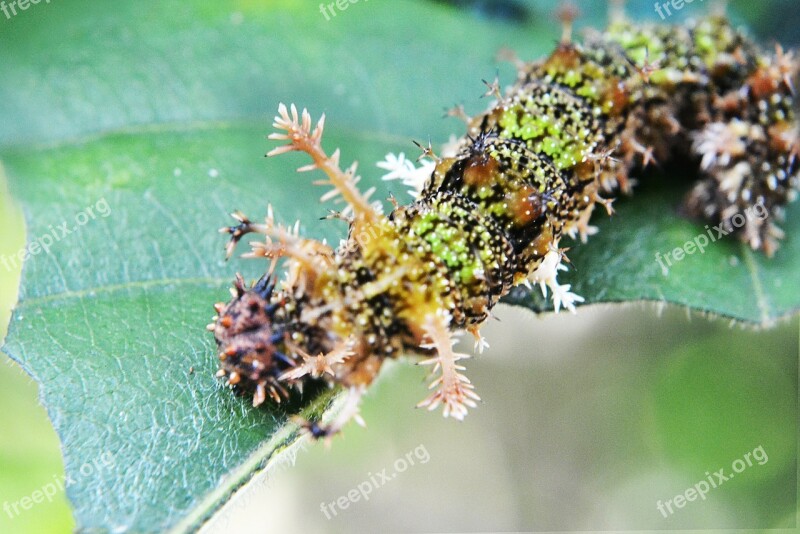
{"type": "Point", "coordinates": [490, 213]}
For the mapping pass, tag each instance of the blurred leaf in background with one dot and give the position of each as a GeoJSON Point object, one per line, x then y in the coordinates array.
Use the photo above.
{"type": "Point", "coordinates": [30, 458]}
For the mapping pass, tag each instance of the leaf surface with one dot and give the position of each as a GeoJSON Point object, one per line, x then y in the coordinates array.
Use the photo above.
{"type": "Point", "coordinates": [158, 112]}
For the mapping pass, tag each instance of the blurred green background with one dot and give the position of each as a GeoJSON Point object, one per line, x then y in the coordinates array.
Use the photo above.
{"type": "Point", "coordinates": [594, 417]}
{"type": "Point", "coordinates": [29, 449]}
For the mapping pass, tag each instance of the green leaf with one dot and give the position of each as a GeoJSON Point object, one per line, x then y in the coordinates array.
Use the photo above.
{"type": "Point", "coordinates": [158, 112]}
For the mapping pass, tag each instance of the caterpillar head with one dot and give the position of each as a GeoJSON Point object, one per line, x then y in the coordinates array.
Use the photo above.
{"type": "Point", "coordinates": [250, 333]}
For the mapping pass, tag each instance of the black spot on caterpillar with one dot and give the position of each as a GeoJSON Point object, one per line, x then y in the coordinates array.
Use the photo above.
{"type": "Point", "coordinates": [492, 210]}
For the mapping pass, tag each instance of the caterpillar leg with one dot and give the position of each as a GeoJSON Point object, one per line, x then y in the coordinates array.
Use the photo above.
{"type": "Point", "coordinates": [453, 390]}
{"type": "Point", "coordinates": [349, 411]}
{"type": "Point", "coordinates": [480, 341]}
